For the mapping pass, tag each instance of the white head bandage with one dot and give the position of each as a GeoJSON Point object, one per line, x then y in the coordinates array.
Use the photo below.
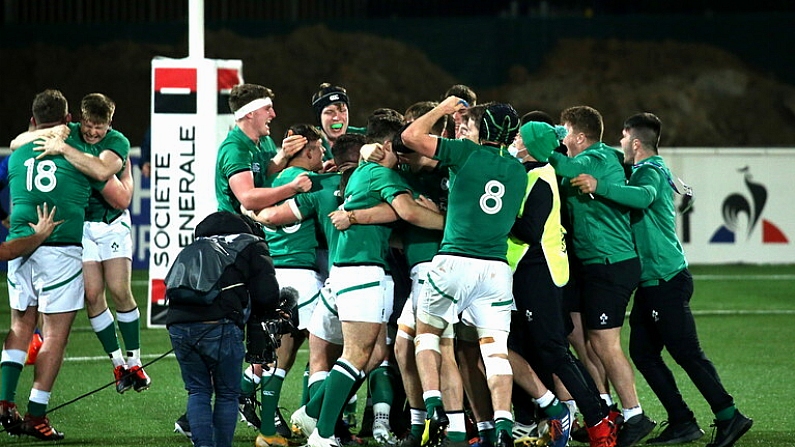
{"type": "Point", "coordinates": [252, 106]}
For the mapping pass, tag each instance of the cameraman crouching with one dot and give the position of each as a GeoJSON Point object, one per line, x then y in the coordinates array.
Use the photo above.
{"type": "Point", "coordinates": [208, 289]}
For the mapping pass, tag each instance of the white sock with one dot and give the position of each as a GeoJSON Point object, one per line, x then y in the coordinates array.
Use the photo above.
{"type": "Point", "coordinates": [39, 396]}
{"type": "Point", "coordinates": [546, 400]}
{"type": "Point", "coordinates": [630, 412]}
{"type": "Point", "coordinates": [381, 412]}
{"type": "Point", "coordinates": [457, 421]}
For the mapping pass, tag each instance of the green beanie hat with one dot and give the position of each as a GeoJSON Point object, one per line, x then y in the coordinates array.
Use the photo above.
{"type": "Point", "coordinates": [541, 139]}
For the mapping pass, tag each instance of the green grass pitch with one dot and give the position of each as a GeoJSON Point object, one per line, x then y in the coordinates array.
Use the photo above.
{"type": "Point", "coordinates": [745, 315]}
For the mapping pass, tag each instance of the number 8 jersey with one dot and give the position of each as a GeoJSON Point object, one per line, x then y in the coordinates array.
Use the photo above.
{"type": "Point", "coordinates": [487, 187]}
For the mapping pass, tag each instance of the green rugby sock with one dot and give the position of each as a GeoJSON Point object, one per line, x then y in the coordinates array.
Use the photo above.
{"type": "Point", "coordinates": [341, 379]}
{"type": "Point", "coordinates": [271, 390]}
{"type": "Point", "coordinates": [380, 383]}
{"type": "Point", "coordinates": [9, 379]}
{"type": "Point", "coordinates": [130, 329]}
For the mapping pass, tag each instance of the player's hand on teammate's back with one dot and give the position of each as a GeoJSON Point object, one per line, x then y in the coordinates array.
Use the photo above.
{"type": "Point", "coordinates": [427, 203]}
{"type": "Point", "coordinates": [46, 223]}
{"type": "Point", "coordinates": [49, 145]}
{"type": "Point", "coordinates": [586, 182]}
{"type": "Point", "coordinates": [61, 131]}
{"type": "Point", "coordinates": [340, 219]}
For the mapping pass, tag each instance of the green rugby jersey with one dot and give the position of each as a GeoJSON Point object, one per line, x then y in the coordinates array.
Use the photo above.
{"type": "Point", "coordinates": [650, 194]}
{"type": "Point", "coordinates": [369, 185]}
{"type": "Point", "coordinates": [99, 210]}
{"type": "Point", "coordinates": [487, 187]}
{"type": "Point", "coordinates": [422, 244]}
{"type": "Point", "coordinates": [237, 154]}
{"type": "Point", "coordinates": [600, 228]}
{"type": "Point", "coordinates": [53, 180]}
{"type": "Point", "coordinates": [293, 245]}
{"type": "Point", "coordinates": [322, 200]}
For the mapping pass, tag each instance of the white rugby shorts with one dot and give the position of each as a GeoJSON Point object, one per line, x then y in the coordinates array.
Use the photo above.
{"type": "Point", "coordinates": [103, 241]}
{"type": "Point", "coordinates": [308, 284]}
{"type": "Point", "coordinates": [360, 293]}
{"type": "Point", "coordinates": [51, 279]}
{"type": "Point", "coordinates": [483, 288]}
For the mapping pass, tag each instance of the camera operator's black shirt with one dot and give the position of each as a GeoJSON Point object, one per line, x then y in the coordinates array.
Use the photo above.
{"type": "Point", "coordinates": [253, 268]}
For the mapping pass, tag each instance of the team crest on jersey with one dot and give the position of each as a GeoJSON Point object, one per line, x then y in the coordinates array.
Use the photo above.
{"type": "Point", "coordinates": [255, 168]}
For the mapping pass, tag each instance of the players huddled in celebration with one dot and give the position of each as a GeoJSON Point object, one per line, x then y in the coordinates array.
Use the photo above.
{"type": "Point", "coordinates": [429, 252]}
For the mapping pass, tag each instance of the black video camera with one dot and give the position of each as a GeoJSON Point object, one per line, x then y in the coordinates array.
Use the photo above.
{"type": "Point", "coordinates": [264, 335]}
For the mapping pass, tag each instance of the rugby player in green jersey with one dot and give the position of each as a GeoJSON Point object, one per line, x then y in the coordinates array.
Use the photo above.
{"type": "Point", "coordinates": [294, 250]}
{"type": "Point", "coordinates": [49, 282]}
{"type": "Point", "coordinates": [246, 164]}
{"type": "Point", "coordinates": [487, 187]}
{"type": "Point", "coordinates": [430, 180]}
{"type": "Point", "coordinates": [420, 245]}
{"type": "Point", "coordinates": [325, 332]}
{"type": "Point", "coordinates": [331, 105]}
{"type": "Point", "coordinates": [357, 281]}
{"type": "Point", "coordinates": [107, 238]}
{"type": "Point", "coordinates": [248, 158]}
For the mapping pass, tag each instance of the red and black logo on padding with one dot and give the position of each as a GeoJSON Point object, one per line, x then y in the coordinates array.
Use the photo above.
{"type": "Point", "coordinates": [175, 90]}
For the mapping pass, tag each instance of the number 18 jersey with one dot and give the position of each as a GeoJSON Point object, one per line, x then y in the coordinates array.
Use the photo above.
{"type": "Point", "coordinates": [53, 180]}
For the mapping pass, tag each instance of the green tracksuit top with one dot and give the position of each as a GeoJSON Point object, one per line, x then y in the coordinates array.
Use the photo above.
{"type": "Point", "coordinates": [650, 194]}
{"type": "Point", "coordinates": [601, 228]}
